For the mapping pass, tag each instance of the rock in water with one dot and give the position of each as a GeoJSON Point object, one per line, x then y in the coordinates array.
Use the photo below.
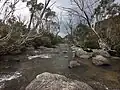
{"type": "Point", "coordinates": [78, 51]}
{"type": "Point", "coordinates": [73, 64]}
{"type": "Point", "coordinates": [101, 52]}
{"type": "Point", "coordinates": [86, 56]}
{"type": "Point", "coordinates": [48, 81]}
{"type": "Point", "coordinates": [88, 50]}
{"type": "Point", "coordinates": [100, 60]}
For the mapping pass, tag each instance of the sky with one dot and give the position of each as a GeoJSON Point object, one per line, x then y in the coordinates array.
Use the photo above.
{"type": "Point", "coordinates": [24, 12]}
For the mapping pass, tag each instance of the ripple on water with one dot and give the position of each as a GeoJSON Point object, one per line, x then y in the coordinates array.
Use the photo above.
{"type": "Point", "coordinates": [9, 77]}
{"type": "Point", "coordinates": [40, 56]}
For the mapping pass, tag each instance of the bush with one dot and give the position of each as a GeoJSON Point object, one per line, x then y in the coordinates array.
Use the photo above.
{"type": "Point", "coordinates": [117, 48]}
{"type": "Point", "coordinates": [91, 44]}
{"type": "Point", "coordinates": [41, 41]}
{"type": "Point", "coordinates": [56, 40]}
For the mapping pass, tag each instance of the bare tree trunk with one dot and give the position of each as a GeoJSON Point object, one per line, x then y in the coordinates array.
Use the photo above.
{"type": "Point", "coordinates": [31, 18]}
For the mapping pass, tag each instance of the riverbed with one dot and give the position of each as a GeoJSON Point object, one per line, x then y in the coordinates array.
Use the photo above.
{"type": "Point", "coordinates": [17, 71]}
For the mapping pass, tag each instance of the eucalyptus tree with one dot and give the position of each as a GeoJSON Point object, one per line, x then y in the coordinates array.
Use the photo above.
{"type": "Point", "coordinates": [38, 12]}
{"type": "Point", "coordinates": [84, 10]}
{"type": "Point", "coordinates": [7, 9]}
{"type": "Point", "coordinates": [106, 9]}
{"type": "Point", "coordinates": [7, 12]}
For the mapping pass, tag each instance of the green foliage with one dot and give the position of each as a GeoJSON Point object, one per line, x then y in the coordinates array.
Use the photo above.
{"type": "Point", "coordinates": [84, 37]}
{"type": "Point", "coordinates": [3, 30]}
{"type": "Point", "coordinates": [91, 44]}
{"type": "Point", "coordinates": [80, 34]}
{"type": "Point", "coordinates": [109, 31]}
{"type": "Point", "coordinates": [47, 40]}
{"type": "Point", "coordinates": [49, 13]}
{"type": "Point", "coordinates": [117, 48]}
{"type": "Point", "coordinates": [13, 32]}
{"type": "Point", "coordinates": [56, 40]}
{"type": "Point", "coordinates": [33, 6]}
{"type": "Point", "coordinates": [19, 32]}
{"type": "Point", "coordinates": [42, 41]}
{"type": "Point", "coordinates": [81, 31]}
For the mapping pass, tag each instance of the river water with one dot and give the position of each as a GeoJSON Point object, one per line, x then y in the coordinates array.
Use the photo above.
{"type": "Point", "coordinates": [17, 71]}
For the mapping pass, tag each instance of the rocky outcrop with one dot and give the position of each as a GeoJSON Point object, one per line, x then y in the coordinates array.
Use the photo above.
{"type": "Point", "coordinates": [100, 60]}
{"type": "Point", "coordinates": [48, 81]}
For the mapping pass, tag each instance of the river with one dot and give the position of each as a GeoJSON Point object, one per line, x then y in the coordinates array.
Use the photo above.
{"type": "Point", "coordinates": [17, 71]}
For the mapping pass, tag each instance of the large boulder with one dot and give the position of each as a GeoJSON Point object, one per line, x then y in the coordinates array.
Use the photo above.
{"type": "Point", "coordinates": [48, 81]}
{"type": "Point", "coordinates": [79, 51]}
{"type": "Point", "coordinates": [74, 48]}
{"type": "Point", "coordinates": [100, 60]}
{"type": "Point", "coordinates": [101, 52]}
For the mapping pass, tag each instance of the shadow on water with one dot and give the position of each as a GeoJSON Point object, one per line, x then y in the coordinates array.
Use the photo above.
{"type": "Point", "coordinates": [100, 78]}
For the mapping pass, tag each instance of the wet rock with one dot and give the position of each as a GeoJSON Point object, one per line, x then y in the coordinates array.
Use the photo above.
{"type": "Point", "coordinates": [88, 50]}
{"type": "Point", "coordinates": [65, 51]}
{"type": "Point", "coordinates": [78, 51]}
{"type": "Point", "coordinates": [85, 56]}
{"type": "Point", "coordinates": [30, 48]}
{"type": "Point", "coordinates": [74, 48]}
{"type": "Point", "coordinates": [98, 85]}
{"type": "Point", "coordinates": [48, 81]}
{"type": "Point", "coordinates": [100, 60]}
{"type": "Point", "coordinates": [100, 52]}
{"type": "Point", "coordinates": [73, 64]}
{"type": "Point", "coordinates": [65, 56]}
{"type": "Point", "coordinates": [42, 48]}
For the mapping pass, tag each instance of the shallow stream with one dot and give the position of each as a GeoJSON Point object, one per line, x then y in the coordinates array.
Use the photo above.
{"type": "Point", "coordinates": [17, 71]}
